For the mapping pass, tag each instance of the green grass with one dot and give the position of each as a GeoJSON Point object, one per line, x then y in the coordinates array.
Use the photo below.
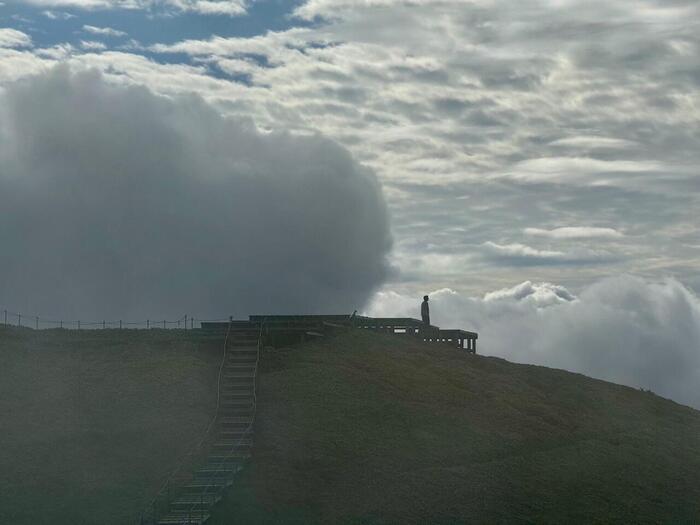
{"type": "Point", "coordinates": [361, 428]}
{"type": "Point", "coordinates": [92, 421]}
{"type": "Point", "coordinates": [372, 428]}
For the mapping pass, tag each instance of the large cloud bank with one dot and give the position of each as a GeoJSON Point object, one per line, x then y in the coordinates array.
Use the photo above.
{"type": "Point", "coordinates": [624, 329]}
{"type": "Point", "coordinates": [117, 203]}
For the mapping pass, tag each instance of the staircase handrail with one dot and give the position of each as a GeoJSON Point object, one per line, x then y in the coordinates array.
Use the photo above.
{"type": "Point", "coordinates": [247, 431]}
{"type": "Point", "coordinates": [164, 488]}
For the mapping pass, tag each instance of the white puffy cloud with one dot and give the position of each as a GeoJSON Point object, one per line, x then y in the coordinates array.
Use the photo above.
{"type": "Point", "coordinates": [214, 7]}
{"type": "Point", "coordinates": [540, 294]}
{"type": "Point", "coordinates": [13, 38]}
{"type": "Point", "coordinates": [575, 232]}
{"type": "Point", "coordinates": [625, 329]}
{"type": "Point", "coordinates": [104, 31]}
{"type": "Point", "coordinates": [57, 15]}
{"type": "Point", "coordinates": [92, 45]}
{"type": "Point", "coordinates": [117, 203]}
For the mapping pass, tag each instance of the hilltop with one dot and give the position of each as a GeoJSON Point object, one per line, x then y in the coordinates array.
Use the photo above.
{"type": "Point", "coordinates": [362, 427]}
{"type": "Point", "coordinates": [375, 428]}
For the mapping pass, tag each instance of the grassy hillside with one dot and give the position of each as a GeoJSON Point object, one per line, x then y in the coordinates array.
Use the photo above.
{"type": "Point", "coordinates": [92, 421]}
{"type": "Point", "coordinates": [371, 428]}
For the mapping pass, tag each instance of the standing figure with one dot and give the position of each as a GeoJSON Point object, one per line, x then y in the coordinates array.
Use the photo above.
{"type": "Point", "coordinates": [425, 311]}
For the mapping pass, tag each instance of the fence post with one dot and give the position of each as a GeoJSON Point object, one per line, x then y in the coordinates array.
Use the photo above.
{"type": "Point", "coordinates": [120, 324]}
{"type": "Point", "coordinates": [78, 325]}
{"type": "Point", "coordinates": [148, 324]}
{"type": "Point", "coordinates": [19, 319]}
{"type": "Point", "coordinates": [192, 323]}
{"type": "Point", "coordinates": [37, 323]}
{"type": "Point", "coordinates": [61, 323]}
{"type": "Point", "coordinates": [163, 324]}
{"type": "Point", "coordinates": [5, 317]}
{"type": "Point", "coordinates": [103, 324]}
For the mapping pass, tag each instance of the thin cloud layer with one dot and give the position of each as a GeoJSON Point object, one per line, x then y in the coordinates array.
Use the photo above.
{"type": "Point", "coordinates": [118, 203]}
{"type": "Point", "coordinates": [627, 330]}
{"type": "Point", "coordinates": [575, 232]}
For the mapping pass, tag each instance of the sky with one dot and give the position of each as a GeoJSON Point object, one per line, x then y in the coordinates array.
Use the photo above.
{"type": "Point", "coordinates": [529, 164]}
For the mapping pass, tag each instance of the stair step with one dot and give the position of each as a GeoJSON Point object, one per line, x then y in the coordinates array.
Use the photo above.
{"type": "Point", "coordinates": [238, 393]}
{"type": "Point", "coordinates": [237, 382]}
{"type": "Point", "coordinates": [230, 459]}
{"type": "Point", "coordinates": [183, 518]}
{"type": "Point", "coordinates": [240, 443]}
{"type": "Point", "coordinates": [236, 401]}
{"type": "Point", "coordinates": [238, 375]}
{"type": "Point", "coordinates": [220, 471]}
{"type": "Point", "coordinates": [195, 502]}
{"type": "Point", "coordinates": [240, 367]}
{"type": "Point", "coordinates": [235, 422]}
{"type": "Point", "coordinates": [243, 358]}
{"type": "Point", "coordinates": [239, 400]}
{"type": "Point", "coordinates": [206, 483]}
{"type": "Point", "coordinates": [235, 389]}
{"type": "Point", "coordinates": [235, 434]}
{"type": "Point", "coordinates": [237, 411]}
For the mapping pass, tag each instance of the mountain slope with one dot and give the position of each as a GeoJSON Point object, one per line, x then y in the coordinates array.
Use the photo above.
{"type": "Point", "coordinates": [92, 421]}
{"type": "Point", "coordinates": [375, 428]}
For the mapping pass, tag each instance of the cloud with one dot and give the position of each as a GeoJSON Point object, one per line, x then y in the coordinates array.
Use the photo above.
{"type": "Point", "coordinates": [590, 142]}
{"type": "Point", "coordinates": [104, 31]}
{"type": "Point", "coordinates": [540, 294]}
{"type": "Point", "coordinates": [13, 38]}
{"type": "Point", "coordinates": [522, 255]}
{"type": "Point", "coordinates": [479, 120]}
{"type": "Point", "coordinates": [57, 15]}
{"type": "Point", "coordinates": [521, 251]}
{"type": "Point", "coordinates": [205, 7]}
{"type": "Point", "coordinates": [625, 329]}
{"type": "Point", "coordinates": [118, 203]}
{"type": "Point", "coordinates": [579, 170]}
{"type": "Point", "coordinates": [92, 45]}
{"type": "Point", "coordinates": [575, 232]}
{"type": "Point", "coordinates": [214, 7]}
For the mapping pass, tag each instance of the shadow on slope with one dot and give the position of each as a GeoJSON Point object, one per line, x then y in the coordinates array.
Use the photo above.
{"type": "Point", "coordinates": [372, 428]}
{"type": "Point", "coordinates": [93, 421]}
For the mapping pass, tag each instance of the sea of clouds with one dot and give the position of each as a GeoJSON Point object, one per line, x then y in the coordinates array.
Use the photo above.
{"type": "Point", "coordinates": [623, 329]}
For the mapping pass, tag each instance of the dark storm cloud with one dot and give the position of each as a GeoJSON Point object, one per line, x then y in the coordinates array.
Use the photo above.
{"type": "Point", "coordinates": [119, 203]}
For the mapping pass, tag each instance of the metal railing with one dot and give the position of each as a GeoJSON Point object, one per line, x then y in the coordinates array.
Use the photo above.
{"type": "Point", "coordinates": [196, 513]}
{"type": "Point", "coordinates": [164, 491]}
{"type": "Point", "coordinates": [192, 513]}
{"type": "Point", "coordinates": [12, 318]}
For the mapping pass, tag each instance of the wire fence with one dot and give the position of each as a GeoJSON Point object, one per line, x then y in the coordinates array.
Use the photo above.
{"type": "Point", "coordinates": [12, 318]}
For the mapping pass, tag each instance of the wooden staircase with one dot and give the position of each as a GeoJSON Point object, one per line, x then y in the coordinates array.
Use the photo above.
{"type": "Point", "coordinates": [231, 437]}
